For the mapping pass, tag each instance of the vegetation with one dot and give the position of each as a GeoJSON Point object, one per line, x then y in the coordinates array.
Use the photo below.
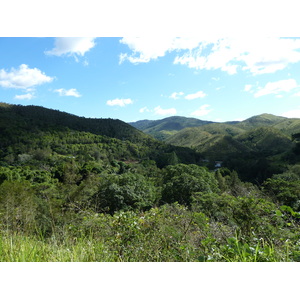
{"type": "Point", "coordinates": [162, 129]}
{"type": "Point", "coordinates": [76, 189]}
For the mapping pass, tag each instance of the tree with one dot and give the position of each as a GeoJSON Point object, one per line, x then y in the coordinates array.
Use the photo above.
{"type": "Point", "coordinates": [286, 192]}
{"type": "Point", "coordinates": [182, 181]}
{"type": "Point", "coordinates": [17, 206]}
{"type": "Point", "coordinates": [124, 192]}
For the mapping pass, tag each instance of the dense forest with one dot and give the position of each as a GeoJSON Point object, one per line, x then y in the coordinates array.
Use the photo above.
{"type": "Point", "coordinates": [79, 189]}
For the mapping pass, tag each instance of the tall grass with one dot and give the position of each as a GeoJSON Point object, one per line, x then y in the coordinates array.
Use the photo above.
{"type": "Point", "coordinates": [21, 248]}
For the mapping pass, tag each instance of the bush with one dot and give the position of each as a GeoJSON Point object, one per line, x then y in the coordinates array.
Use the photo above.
{"type": "Point", "coordinates": [182, 181]}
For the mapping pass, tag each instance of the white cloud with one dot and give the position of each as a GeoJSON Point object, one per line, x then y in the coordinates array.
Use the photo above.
{"type": "Point", "coordinates": [119, 102]}
{"type": "Point", "coordinates": [297, 94]}
{"type": "Point", "coordinates": [258, 56]}
{"type": "Point", "coordinates": [145, 49]}
{"type": "Point", "coordinates": [247, 87]}
{"type": "Point", "coordinates": [143, 109]}
{"type": "Point", "coordinates": [292, 114]}
{"type": "Point", "coordinates": [221, 56]}
{"type": "Point", "coordinates": [72, 46]}
{"type": "Point", "coordinates": [70, 92]}
{"type": "Point", "coordinates": [277, 87]}
{"type": "Point", "coordinates": [197, 95]}
{"type": "Point", "coordinates": [23, 78]}
{"type": "Point", "coordinates": [27, 96]}
{"type": "Point", "coordinates": [202, 111]}
{"type": "Point", "coordinates": [163, 112]}
{"type": "Point", "coordinates": [176, 95]}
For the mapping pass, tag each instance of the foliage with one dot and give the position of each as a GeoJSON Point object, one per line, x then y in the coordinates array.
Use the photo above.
{"type": "Point", "coordinates": [284, 191]}
{"type": "Point", "coordinates": [182, 181]}
{"type": "Point", "coordinates": [124, 192]}
{"type": "Point", "coordinates": [76, 189]}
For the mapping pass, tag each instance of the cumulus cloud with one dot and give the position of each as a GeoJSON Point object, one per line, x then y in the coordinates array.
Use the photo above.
{"type": "Point", "coordinates": [70, 92]}
{"type": "Point", "coordinates": [277, 87]}
{"type": "Point", "coordinates": [23, 77]}
{"type": "Point", "coordinates": [143, 109]}
{"type": "Point", "coordinates": [259, 56]}
{"type": "Point", "coordinates": [145, 49]}
{"type": "Point", "coordinates": [27, 96]}
{"type": "Point", "coordinates": [176, 95]}
{"type": "Point", "coordinates": [163, 112]}
{"type": "Point", "coordinates": [255, 55]}
{"type": "Point", "coordinates": [247, 87]}
{"type": "Point", "coordinates": [71, 46]}
{"type": "Point", "coordinates": [202, 111]}
{"type": "Point", "coordinates": [197, 95]}
{"type": "Point", "coordinates": [292, 113]}
{"type": "Point", "coordinates": [119, 102]}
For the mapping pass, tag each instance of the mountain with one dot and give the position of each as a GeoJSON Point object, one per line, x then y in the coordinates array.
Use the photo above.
{"type": "Point", "coordinates": [260, 121]}
{"type": "Point", "coordinates": [264, 133]}
{"type": "Point", "coordinates": [31, 118]}
{"type": "Point", "coordinates": [162, 129]}
{"type": "Point", "coordinates": [165, 128]}
{"type": "Point", "coordinates": [212, 145]}
{"type": "Point", "coordinates": [34, 131]}
{"type": "Point", "coordinates": [256, 147]}
{"type": "Point", "coordinates": [265, 139]}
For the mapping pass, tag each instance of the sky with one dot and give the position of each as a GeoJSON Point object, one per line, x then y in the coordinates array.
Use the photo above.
{"type": "Point", "coordinates": [136, 78]}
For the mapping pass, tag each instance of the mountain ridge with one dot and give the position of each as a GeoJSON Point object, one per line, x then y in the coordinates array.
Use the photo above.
{"type": "Point", "coordinates": [164, 128]}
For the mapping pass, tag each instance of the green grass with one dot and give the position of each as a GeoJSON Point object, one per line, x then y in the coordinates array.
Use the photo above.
{"type": "Point", "coordinates": [20, 248]}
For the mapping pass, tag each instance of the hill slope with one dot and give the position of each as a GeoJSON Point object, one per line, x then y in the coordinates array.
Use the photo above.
{"type": "Point", "coordinates": [30, 118]}
{"type": "Point", "coordinates": [260, 121]}
{"type": "Point", "coordinates": [28, 130]}
{"type": "Point", "coordinates": [165, 128]}
{"type": "Point", "coordinates": [162, 129]}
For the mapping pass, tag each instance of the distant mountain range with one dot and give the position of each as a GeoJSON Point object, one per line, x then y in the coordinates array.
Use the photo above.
{"type": "Point", "coordinates": [164, 128]}
{"type": "Point", "coordinates": [257, 142]}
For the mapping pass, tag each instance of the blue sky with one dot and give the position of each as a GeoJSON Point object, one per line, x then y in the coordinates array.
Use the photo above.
{"type": "Point", "coordinates": [152, 77]}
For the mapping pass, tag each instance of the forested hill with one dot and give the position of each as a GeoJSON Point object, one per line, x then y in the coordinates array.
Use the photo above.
{"type": "Point", "coordinates": [165, 128]}
{"type": "Point", "coordinates": [28, 130]}
{"type": "Point", "coordinates": [256, 147]}
{"type": "Point", "coordinates": [162, 129]}
{"type": "Point", "coordinates": [32, 118]}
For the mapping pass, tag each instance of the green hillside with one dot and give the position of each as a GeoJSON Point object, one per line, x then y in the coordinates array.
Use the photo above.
{"type": "Point", "coordinates": [189, 137]}
{"type": "Point", "coordinates": [33, 118]}
{"type": "Point", "coordinates": [256, 147]}
{"type": "Point", "coordinates": [288, 126]}
{"type": "Point", "coordinates": [262, 120]}
{"type": "Point", "coordinates": [266, 139]}
{"type": "Point", "coordinates": [162, 129]}
{"type": "Point", "coordinates": [28, 130]}
{"type": "Point", "coordinates": [77, 189]}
